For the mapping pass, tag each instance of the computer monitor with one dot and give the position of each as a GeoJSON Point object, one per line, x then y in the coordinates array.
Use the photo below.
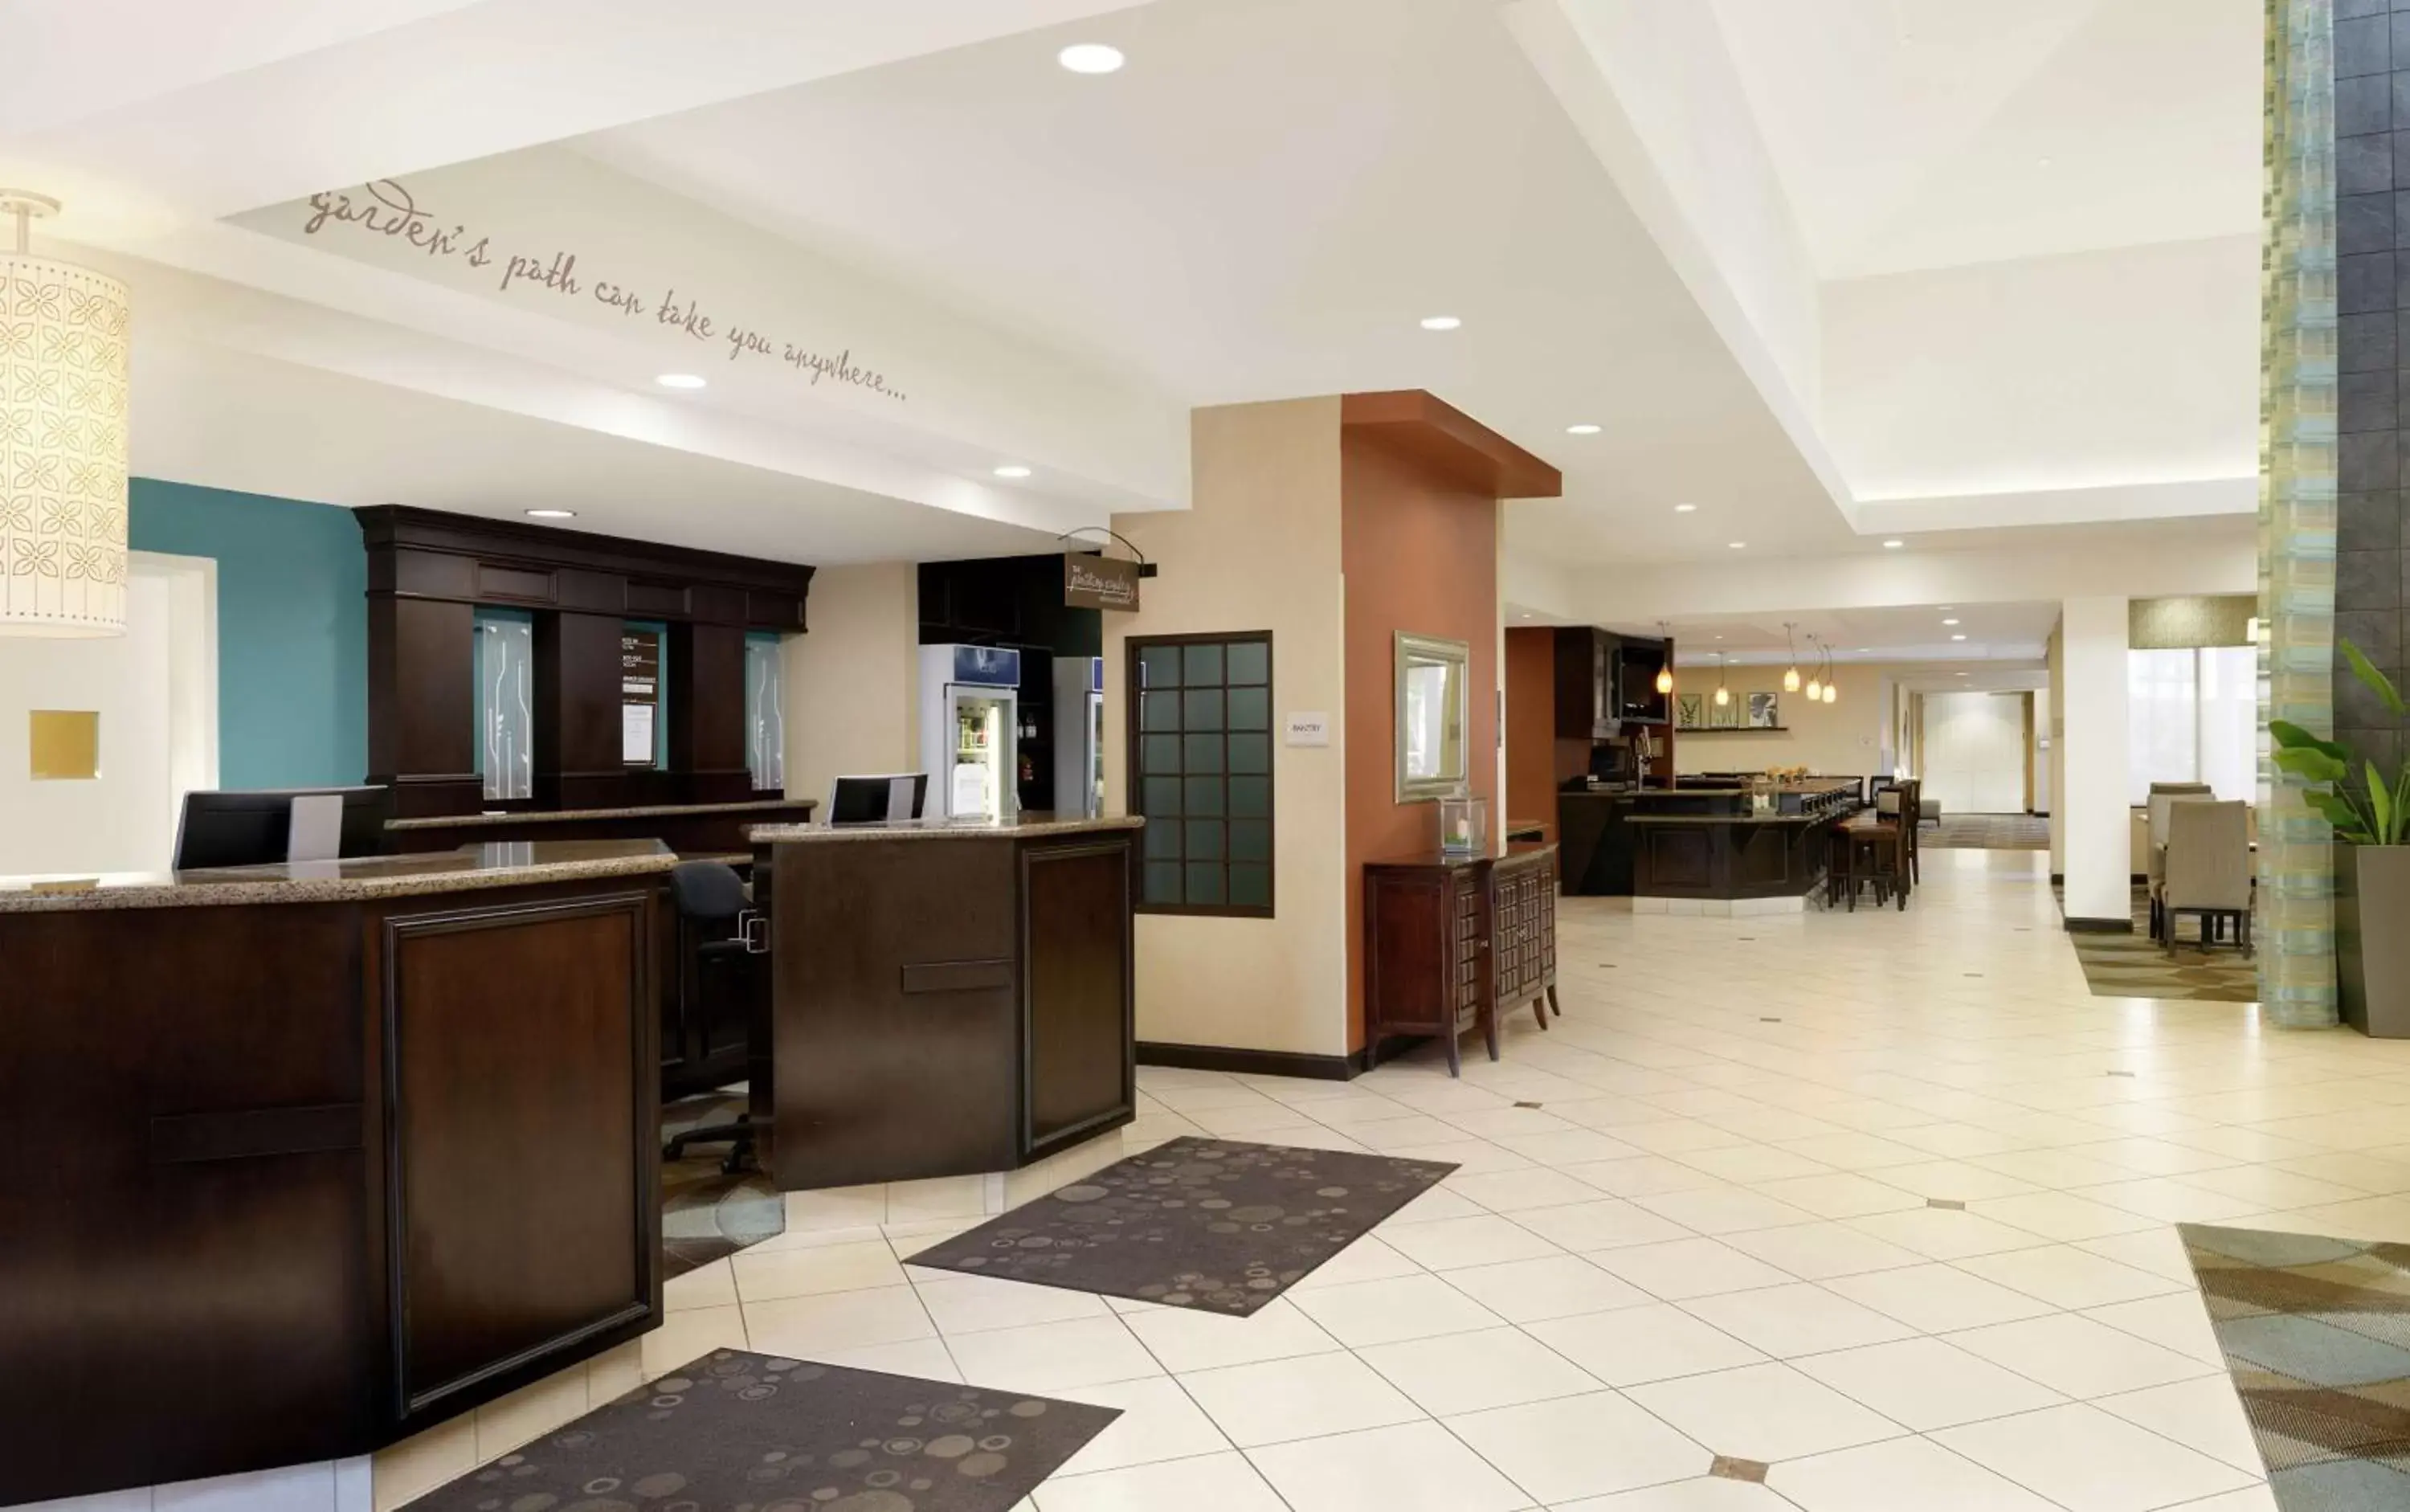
{"type": "Point", "coordinates": [887, 799]}
{"type": "Point", "coordinates": [256, 828]}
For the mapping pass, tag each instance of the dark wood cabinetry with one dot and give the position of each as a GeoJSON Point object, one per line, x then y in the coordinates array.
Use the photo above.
{"type": "Point", "coordinates": [296, 1179]}
{"type": "Point", "coordinates": [430, 571]}
{"type": "Point", "coordinates": [1447, 939]}
{"type": "Point", "coordinates": [947, 1005]}
{"type": "Point", "coordinates": [1606, 681]}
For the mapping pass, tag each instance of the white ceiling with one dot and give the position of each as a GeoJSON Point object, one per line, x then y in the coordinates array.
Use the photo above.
{"type": "Point", "coordinates": [1908, 632]}
{"type": "Point", "coordinates": [256, 425]}
{"type": "Point", "coordinates": [1263, 204]}
{"type": "Point", "coordinates": [1929, 133]}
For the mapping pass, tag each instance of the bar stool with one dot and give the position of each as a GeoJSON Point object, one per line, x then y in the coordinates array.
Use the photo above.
{"type": "Point", "coordinates": [1864, 852]}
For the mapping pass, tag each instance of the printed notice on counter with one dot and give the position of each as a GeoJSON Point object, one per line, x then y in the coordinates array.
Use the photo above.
{"type": "Point", "coordinates": [1306, 729]}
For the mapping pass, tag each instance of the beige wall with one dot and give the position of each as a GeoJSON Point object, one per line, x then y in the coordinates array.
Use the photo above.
{"type": "Point", "coordinates": [852, 682]}
{"type": "Point", "coordinates": [1844, 739]}
{"type": "Point", "coordinates": [2055, 726]}
{"type": "Point", "coordinates": [1258, 549]}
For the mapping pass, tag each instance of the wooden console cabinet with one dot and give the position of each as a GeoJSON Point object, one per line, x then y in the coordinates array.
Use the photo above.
{"type": "Point", "coordinates": [1449, 938]}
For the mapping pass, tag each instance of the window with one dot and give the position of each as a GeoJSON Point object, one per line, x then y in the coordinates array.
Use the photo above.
{"type": "Point", "coordinates": [506, 663]}
{"type": "Point", "coordinates": [1200, 771]}
{"type": "Point", "coordinates": [766, 715]}
{"type": "Point", "coordinates": [2193, 716]}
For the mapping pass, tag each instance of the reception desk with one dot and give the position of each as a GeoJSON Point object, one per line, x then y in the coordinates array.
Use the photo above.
{"type": "Point", "coordinates": [303, 1160]}
{"type": "Point", "coordinates": [947, 999]}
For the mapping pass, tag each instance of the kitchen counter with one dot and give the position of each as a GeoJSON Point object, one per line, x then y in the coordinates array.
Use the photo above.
{"type": "Point", "coordinates": [512, 864]}
{"type": "Point", "coordinates": [1019, 827]}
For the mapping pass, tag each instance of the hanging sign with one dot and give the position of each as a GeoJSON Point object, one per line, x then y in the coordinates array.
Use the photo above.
{"type": "Point", "coordinates": [1099, 583]}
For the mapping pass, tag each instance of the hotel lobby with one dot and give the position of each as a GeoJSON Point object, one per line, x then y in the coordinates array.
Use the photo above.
{"type": "Point", "coordinates": [1161, 755]}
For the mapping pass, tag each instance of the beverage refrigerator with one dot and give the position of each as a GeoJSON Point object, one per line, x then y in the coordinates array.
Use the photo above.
{"type": "Point", "coordinates": [969, 730]}
{"type": "Point", "coordinates": [1080, 736]}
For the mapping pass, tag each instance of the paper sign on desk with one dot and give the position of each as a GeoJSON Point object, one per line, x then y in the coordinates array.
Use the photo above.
{"type": "Point", "coordinates": [1307, 729]}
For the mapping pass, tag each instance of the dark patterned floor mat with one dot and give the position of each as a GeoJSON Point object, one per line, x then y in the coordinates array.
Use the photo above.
{"type": "Point", "coordinates": [1210, 1223]}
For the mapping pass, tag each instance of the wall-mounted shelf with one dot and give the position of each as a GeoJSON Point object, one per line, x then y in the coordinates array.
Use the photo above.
{"type": "Point", "coordinates": [1731, 728]}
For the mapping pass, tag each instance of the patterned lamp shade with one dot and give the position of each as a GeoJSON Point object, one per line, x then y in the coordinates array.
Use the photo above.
{"type": "Point", "coordinates": [63, 360]}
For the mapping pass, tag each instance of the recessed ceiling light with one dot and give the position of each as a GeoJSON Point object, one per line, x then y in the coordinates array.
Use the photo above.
{"type": "Point", "coordinates": [1947, 607]}
{"type": "Point", "coordinates": [1686, 509]}
{"type": "Point", "coordinates": [1737, 546]}
{"type": "Point", "coordinates": [552, 514]}
{"type": "Point", "coordinates": [1440, 322]}
{"type": "Point", "coordinates": [1949, 621]}
{"type": "Point", "coordinates": [681, 380]}
{"type": "Point", "coordinates": [1585, 428]}
{"type": "Point", "coordinates": [1091, 58]}
{"type": "Point", "coordinates": [1957, 637]}
{"type": "Point", "coordinates": [1012, 470]}
{"type": "Point", "coordinates": [1962, 675]}
{"type": "Point", "coordinates": [2045, 162]}
{"type": "Point", "coordinates": [1863, 649]}
{"type": "Point", "coordinates": [1893, 546]}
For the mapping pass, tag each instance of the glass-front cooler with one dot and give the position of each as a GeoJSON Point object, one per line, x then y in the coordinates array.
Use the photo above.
{"type": "Point", "coordinates": [969, 727]}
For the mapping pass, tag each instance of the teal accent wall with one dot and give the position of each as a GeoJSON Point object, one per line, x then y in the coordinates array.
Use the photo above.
{"type": "Point", "coordinates": [293, 629]}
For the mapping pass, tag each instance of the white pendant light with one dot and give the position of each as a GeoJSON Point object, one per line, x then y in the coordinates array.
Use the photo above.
{"type": "Point", "coordinates": [1831, 693]}
{"type": "Point", "coordinates": [1665, 668]}
{"type": "Point", "coordinates": [63, 377]}
{"type": "Point", "coordinates": [1791, 674]}
{"type": "Point", "coordinates": [1723, 694]}
{"type": "Point", "coordinates": [1815, 683]}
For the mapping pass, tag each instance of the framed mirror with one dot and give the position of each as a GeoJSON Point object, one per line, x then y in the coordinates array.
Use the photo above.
{"type": "Point", "coordinates": [1433, 689]}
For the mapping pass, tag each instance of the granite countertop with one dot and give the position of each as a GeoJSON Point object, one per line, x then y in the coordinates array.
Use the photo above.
{"type": "Point", "coordinates": [1436, 857]}
{"type": "Point", "coordinates": [1730, 818]}
{"type": "Point", "coordinates": [509, 863]}
{"type": "Point", "coordinates": [546, 816]}
{"type": "Point", "coordinates": [1019, 827]}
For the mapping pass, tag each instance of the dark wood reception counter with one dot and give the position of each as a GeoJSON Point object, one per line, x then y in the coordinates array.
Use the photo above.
{"type": "Point", "coordinates": [303, 1160]}
{"type": "Point", "coordinates": [947, 999]}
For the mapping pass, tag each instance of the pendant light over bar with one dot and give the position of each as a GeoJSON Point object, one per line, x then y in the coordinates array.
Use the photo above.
{"type": "Point", "coordinates": [1791, 674]}
{"type": "Point", "coordinates": [1665, 668]}
{"type": "Point", "coordinates": [1815, 671]}
{"type": "Point", "coordinates": [1723, 694]}
{"type": "Point", "coordinates": [63, 377]}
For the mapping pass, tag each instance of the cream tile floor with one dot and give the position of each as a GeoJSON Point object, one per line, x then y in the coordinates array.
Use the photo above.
{"type": "Point", "coordinates": [1711, 1238]}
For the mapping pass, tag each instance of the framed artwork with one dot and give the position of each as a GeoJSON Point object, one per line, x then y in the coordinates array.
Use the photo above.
{"type": "Point", "coordinates": [1765, 711]}
{"type": "Point", "coordinates": [1687, 710]}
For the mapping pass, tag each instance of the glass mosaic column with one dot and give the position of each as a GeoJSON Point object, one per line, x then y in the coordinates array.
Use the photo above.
{"type": "Point", "coordinates": [2297, 466]}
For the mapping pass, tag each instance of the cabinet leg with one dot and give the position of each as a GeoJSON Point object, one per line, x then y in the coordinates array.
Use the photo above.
{"type": "Point", "coordinates": [1540, 1011]}
{"type": "Point", "coordinates": [1490, 1030]}
{"type": "Point", "coordinates": [1552, 1001]}
{"type": "Point", "coordinates": [1454, 1056]}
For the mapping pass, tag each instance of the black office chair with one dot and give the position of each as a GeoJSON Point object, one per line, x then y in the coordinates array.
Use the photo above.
{"type": "Point", "coordinates": [715, 954]}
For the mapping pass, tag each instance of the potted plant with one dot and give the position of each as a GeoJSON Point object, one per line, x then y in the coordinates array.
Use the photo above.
{"type": "Point", "coordinates": [2371, 816]}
